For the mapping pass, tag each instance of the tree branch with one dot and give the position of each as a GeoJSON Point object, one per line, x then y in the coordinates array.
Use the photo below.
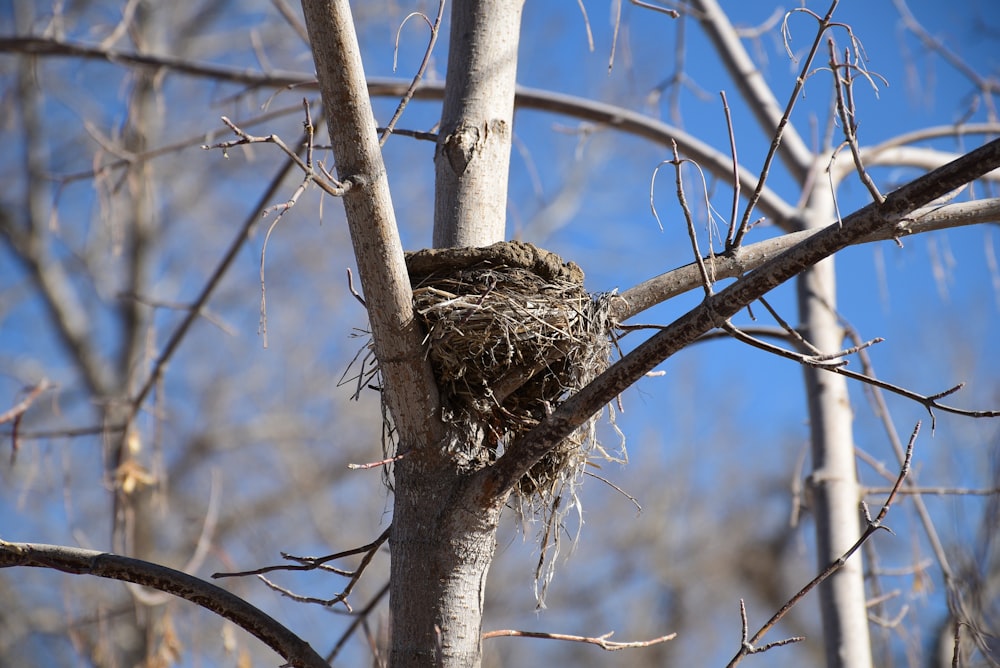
{"type": "Point", "coordinates": [472, 160]}
{"type": "Point", "coordinates": [409, 388]}
{"type": "Point", "coordinates": [739, 261]}
{"type": "Point", "coordinates": [294, 650]}
{"type": "Point", "coordinates": [522, 454]}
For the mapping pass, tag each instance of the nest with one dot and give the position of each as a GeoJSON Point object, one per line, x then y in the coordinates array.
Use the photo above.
{"type": "Point", "coordinates": [510, 333]}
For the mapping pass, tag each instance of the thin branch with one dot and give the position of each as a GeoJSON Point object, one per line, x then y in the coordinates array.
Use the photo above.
{"type": "Point", "coordinates": [17, 410]}
{"type": "Point", "coordinates": [757, 94]}
{"type": "Point", "coordinates": [848, 113]}
{"type": "Point", "coordinates": [309, 563]}
{"type": "Point", "coordinates": [882, 411]}
{"type": "Point", "coordinates": [68, 432]}
{"type": "Point", "coordinates": [173, 147]}
{"type": "Point", "coordinates": [803, 158]}
{"type": "Point", "coordinates": [747, 646]}
{"type": "Point", "coordinates": [206, 313]}
{"type": "Point", "coordinates": [930, 402]}
{"type": "Point", "coordinates": [985, 85]}
{"type": "Point", "coordinates": [43, 46]}
{"type": "Point", "coordinates": [331, 187]}
{"type": "Point", "coordinates": [173, 343]}
{"type": "Point", "coordinates": [618, 118]}
{"type": "Point", "coordinates": [926, 134]}
{"type": "Point", "coordinates": [359, 618]}
{"type": "Point", "coordinates": [293, 649]}
{"type": "Point", "coordinates": [936, 491]}
{"type": "Point", "coordinates": [15, 413]}
{"type": "Point", "coordinates": [320, 563]}
{"type": "Point", "coordinates": [736, 171]}
{"type": "Point", "coordinates": [292, 19]}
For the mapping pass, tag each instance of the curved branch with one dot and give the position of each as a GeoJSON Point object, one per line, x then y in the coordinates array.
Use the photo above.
{"type": "Point", "coordinates": [294, 650]}
{"type": "Point", "coordinates": [43, 46]}
{"type": "Point", "coordinates": [492, 482]}
{"type": "Point", "coordinates": [911, 156]}
{"type": "Point", "coordinates": [937, 132]}
{"type": "Point", "coordinates": [619, 118]}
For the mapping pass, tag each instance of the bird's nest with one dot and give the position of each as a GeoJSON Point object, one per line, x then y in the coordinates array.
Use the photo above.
{"type": "Point", "coordinates": [511, 332]}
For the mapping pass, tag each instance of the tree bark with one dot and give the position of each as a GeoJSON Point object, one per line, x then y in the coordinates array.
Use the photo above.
{"type": "Point", "coordinates": [442, 548]}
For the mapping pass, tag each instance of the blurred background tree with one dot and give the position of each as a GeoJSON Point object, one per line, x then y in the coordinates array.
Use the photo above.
{"type": "Point", "coordinates": [114, 221]}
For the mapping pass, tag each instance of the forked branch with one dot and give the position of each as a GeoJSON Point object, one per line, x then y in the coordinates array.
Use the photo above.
{"type": "Point", "coordinates": [872, 525]}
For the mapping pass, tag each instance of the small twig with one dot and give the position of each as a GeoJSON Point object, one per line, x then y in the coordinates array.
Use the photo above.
{"type": "Point", "coordinates": [929, 402]}
{"type": "Point", "coordinates": [846, 110]}
{"type": "Point", "coordinates": [790, 331]}
{"type": "Point", "coordinates": [678, 163]}
{"type": "Point", "coordinates": [882, 411]}
{"type": "Point", "coordinates": [372, 465]}
{"type": "Point", "coordinates": [600, 641]}
{"type": "Point", "coordinates": [731, 232]}
{"type": "Point", "coordinates": [321, 177]}
{"type": "Point", "coordinates": [748, 646]}
{"type": "Point", "coordinates": [359, 618]}
{"type": "Point", "coordinates": [672, 13]}
{"type": "Point", "coordinates": [350, 286]}
{"type": "Point", "coordinates": [309, 563]}
{"type": "Point", "coordinates": [618, 489]}
{"type": "Point", "coordinates": [408, 95]}
{"type": "Point", "coordinates": [320, 563]}
{"type": "Point", "coordinates": [206, 313]}
{"type": "Point", "coordinates": [824, 24]}
{"type": "Point", "coordinates": [16, 413]}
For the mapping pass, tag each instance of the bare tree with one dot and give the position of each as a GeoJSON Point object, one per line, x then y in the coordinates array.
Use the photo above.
{"type": "Point", "coordinates": [460, 449]}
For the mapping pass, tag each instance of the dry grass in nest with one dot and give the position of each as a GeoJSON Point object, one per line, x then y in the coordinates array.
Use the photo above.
{"type": "Point", "coordinates": [510, 333]}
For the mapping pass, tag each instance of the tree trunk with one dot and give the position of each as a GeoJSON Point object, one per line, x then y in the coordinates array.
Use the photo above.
{"type": "Point", "coordinates": [835, 490]}
{"type": "Point", "coordinates": [442, 549]}
{"type": "Point", "coordinates": [442, 542]}
{"type": "Point", "coordinates": [473, 152]}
